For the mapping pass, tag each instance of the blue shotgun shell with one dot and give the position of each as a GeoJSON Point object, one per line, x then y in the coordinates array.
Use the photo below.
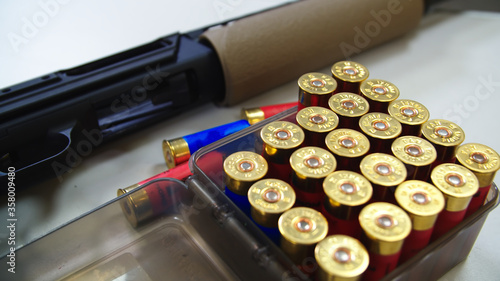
{"type": "Point", "coordinates": [178, 150]}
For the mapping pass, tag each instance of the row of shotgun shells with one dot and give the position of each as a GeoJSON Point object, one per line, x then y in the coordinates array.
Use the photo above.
{"type": "Point", "coordinates": [347, 77]}
{"type": "Point", "coordinates": [351, 184]}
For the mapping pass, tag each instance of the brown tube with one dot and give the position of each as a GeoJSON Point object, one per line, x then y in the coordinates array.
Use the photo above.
{"type": "Point", "coordinates": [268, 49]}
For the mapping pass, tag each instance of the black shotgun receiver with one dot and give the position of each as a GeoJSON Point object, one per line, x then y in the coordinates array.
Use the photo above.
{"type": "Point", "coordinates": [49, 123]}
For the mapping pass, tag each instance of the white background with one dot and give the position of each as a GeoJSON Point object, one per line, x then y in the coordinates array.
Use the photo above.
{"type": "Point", "coordinates": [443, 64]}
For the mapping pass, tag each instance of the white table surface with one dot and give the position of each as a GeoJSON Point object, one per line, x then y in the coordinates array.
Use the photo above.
{"type": "Point", "coordinates": [450, 64]}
